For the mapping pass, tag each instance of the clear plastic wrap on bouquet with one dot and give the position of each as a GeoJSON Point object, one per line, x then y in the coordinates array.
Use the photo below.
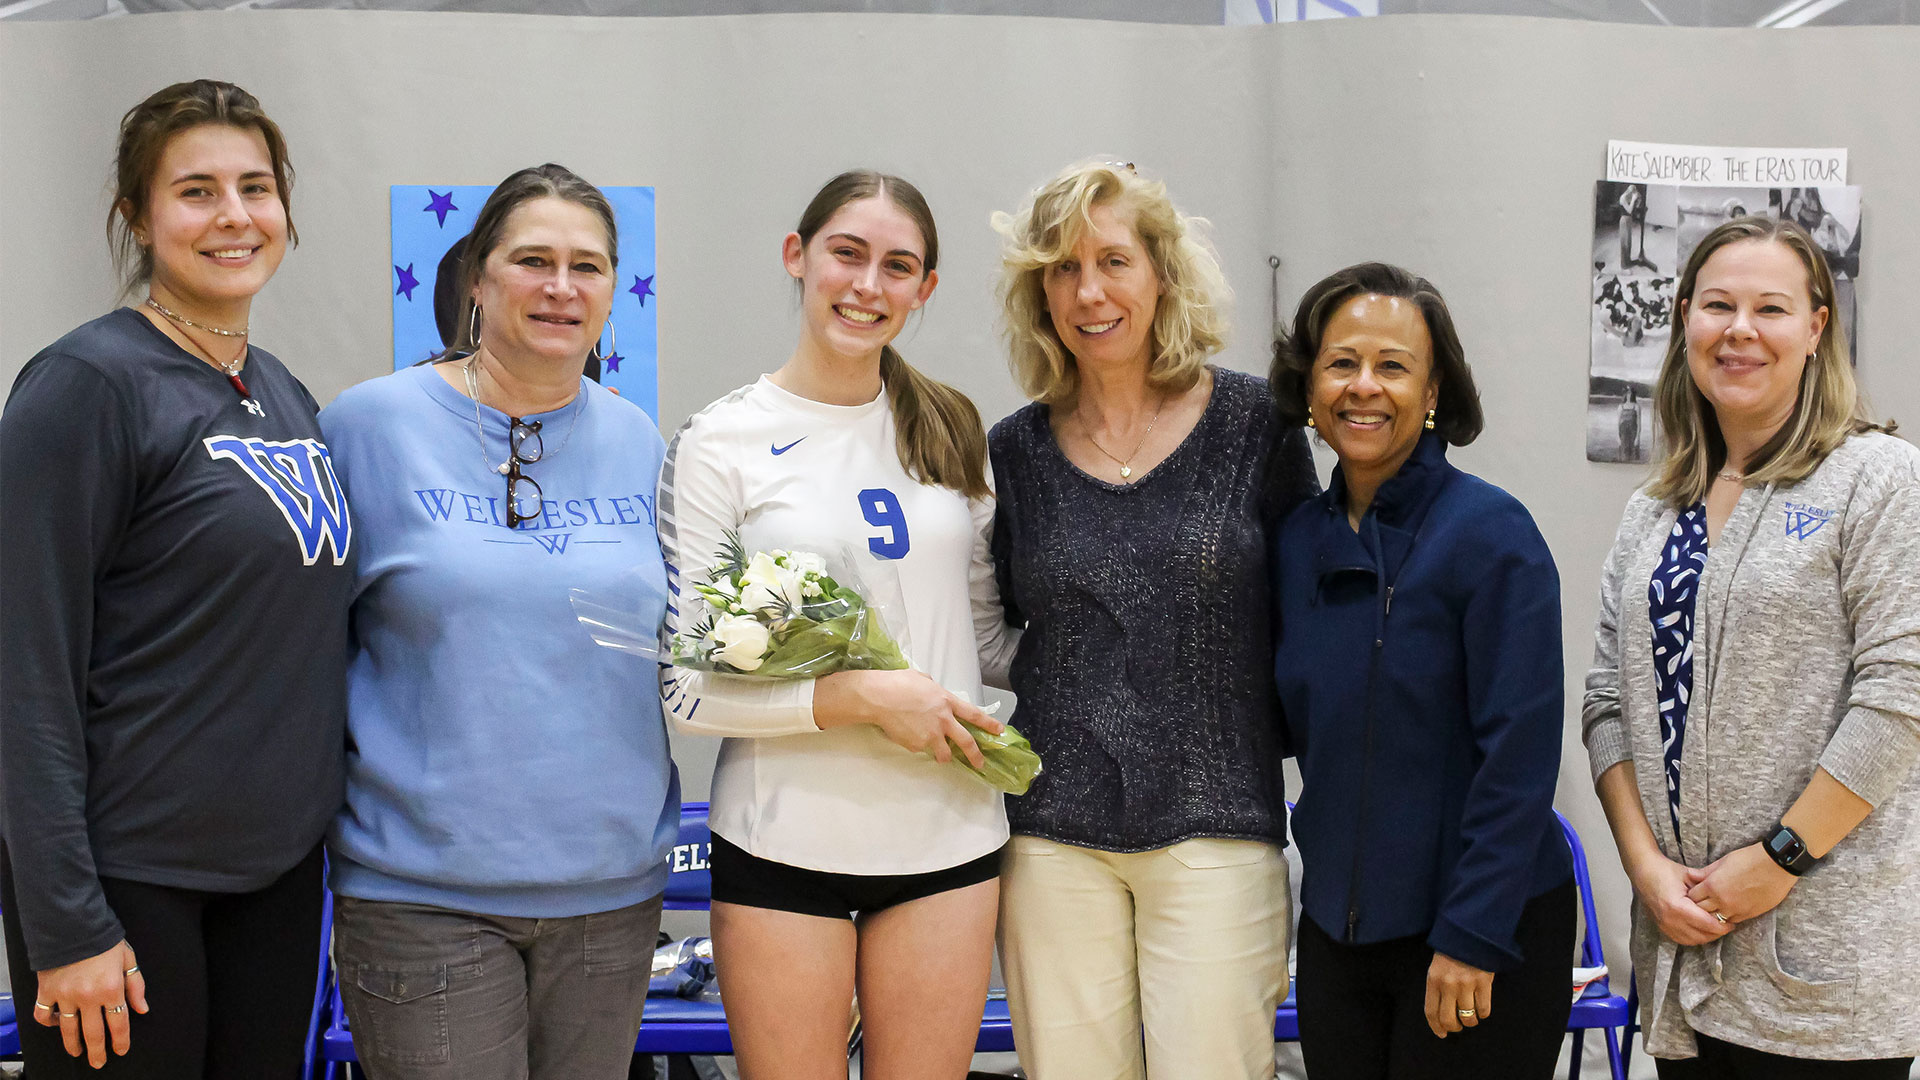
{"type": "Point", "coordinates": [787, 615]}
{"type": "Point", "coordinates": [793, 614]}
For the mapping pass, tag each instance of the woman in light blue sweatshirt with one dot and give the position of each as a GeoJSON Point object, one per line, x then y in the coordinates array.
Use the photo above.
{"type": "Point", "coordinates": [510, 799]}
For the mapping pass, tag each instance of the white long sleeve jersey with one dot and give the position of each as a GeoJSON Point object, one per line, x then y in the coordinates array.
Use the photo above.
{"type": "Point", "coordinates": [787, 472]}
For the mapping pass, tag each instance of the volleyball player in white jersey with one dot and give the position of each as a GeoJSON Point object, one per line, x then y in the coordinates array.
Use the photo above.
{"type": "Point", "coordinates": [845, 857]}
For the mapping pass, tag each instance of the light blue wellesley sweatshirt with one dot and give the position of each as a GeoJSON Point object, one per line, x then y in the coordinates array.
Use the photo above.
{"type": "Point", "coordinates": [499, 760]}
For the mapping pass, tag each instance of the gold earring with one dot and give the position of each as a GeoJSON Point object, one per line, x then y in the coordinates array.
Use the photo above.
{"type": "Point", "coordinates": [1309, 419]}
{"type": "Point", "coordinates": [1430, 413]}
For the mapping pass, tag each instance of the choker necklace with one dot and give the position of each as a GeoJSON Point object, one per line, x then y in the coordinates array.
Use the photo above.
{"type": "Point", "coordinates": [184, 321]}
{"type": "Point", "coordinates": [1126, 466]}
{"type": "Point", "coordinates": [480, 431]}
{"type": "Point", "coordinates": [1729, 474]}
{"type": "Point", "coordinates": [232, 370]}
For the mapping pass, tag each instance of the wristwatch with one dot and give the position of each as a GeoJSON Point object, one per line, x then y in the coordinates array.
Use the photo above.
{"type": "Point", "coordinates": [1790, 851]}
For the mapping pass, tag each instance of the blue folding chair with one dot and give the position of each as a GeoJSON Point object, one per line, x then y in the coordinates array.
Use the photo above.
{"type": "Point", "coordinates": [9, 1028]}
{"type": "Point", "coordinates": [669, 1025]}
{"type": "Point", "coordinates": [1598, 1007]}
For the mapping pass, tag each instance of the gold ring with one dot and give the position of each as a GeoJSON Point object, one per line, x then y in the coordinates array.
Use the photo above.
{"type": "Point", "coordinates": [1467, 1014]}
{"type": "Point", "coordinates": [134, 970]}
{"type": "Point", "coordinates": [116, 1008]}
{"type": "Point", "coordinates": [38, 1005]}
{"type": "Point", "coordinates": [68, 1016]}
{"type": "Point", "coordinates": [1723, 919]}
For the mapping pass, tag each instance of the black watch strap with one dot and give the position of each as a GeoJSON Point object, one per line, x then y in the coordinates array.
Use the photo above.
{"type": "Point", "coordinates": [1790, 851]}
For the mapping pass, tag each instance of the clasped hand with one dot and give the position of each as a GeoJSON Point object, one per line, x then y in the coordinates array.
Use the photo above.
{"type": "Point", "coordinates": [88, 1000]}
{"type": "Point", "coordinates": [1696, 906]}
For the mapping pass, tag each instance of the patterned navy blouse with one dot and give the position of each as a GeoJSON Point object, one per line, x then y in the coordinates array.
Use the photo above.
{"type": "Point", "coordinates": [1670, 607]}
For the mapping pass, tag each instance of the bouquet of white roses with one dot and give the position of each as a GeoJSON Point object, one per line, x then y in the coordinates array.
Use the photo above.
{"type": "Point", "coordinates": [780, 615]}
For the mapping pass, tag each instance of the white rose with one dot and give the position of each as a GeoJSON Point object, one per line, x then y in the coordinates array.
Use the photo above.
{"type": "Point", "coordinates": [767, 585]}
{"type": "Point", "coordinates": [740, 642]}
{"type": "Point", "coordinates": [807, 562]}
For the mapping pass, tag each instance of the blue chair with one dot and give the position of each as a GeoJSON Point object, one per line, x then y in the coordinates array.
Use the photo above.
{"type": "Point", "coordinates": [323, 1007]}
{"type": "Point", "coordinates": [1598, 1006]}
{"type": "Point", "coordinates": [9, 1028]}
{"type": "Point", "coordinates": [669, 1025]}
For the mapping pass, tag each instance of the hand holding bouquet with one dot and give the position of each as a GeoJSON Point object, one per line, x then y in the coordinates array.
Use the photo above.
{"type": "Point", "coordinates": [781, 615]}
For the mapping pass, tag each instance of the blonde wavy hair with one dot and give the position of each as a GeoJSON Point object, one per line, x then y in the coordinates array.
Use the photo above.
{"type": "Point", "coordinates": [1830, 405]}
{"type": "Point", "coordinates": [1190, 321]}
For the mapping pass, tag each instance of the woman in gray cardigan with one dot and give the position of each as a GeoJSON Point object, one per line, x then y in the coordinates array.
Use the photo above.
{"type": "Point", "coordinates": [1753, 712]}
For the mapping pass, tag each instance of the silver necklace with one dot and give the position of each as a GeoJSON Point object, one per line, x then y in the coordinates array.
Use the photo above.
{"type": "Point", "coordinates": [1126, 465]}
{"type": "Point", "coordinates": [1729, 474]}
{"type": "Point", "coordinates": [184, 321]}
{"type": "Point", "coordinates": [480, 431]}
{"type": "Point", "coordinates": [232, 370]}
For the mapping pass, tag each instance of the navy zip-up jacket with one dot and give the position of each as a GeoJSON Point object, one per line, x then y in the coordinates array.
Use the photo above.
{"type": "Point", "coordinates": [1419, 665]}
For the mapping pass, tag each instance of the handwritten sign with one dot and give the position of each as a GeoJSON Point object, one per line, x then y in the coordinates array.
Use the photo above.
{"type": "Point", "coordinates": [1723, 166]}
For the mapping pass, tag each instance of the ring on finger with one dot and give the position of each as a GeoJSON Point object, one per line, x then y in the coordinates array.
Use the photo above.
{"type": "Point", "coordinates": [111, 1009]}
{"type": "Point", "coordinates": [1722, 917]}
{"type": "Point", "coordinates": [1467, 1014]}
{"type": "Point", "coordinates": [68, 1016]}
{"type": "Point", "coordinates": [134, 970]}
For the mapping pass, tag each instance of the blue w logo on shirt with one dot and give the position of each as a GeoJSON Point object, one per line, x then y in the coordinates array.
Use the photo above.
{"type": "Point", "coordinates": [1803, 520]}
{"type": "Point", "coordinates": [298, 476]}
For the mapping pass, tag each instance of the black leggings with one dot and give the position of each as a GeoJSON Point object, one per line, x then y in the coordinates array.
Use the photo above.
{"type": "Point", "coordinates": [229, 980]}
{"type": "Point", "coordinates": [1363, 1007]}
{"type": "Point", "coordinates": [1724, 1061]}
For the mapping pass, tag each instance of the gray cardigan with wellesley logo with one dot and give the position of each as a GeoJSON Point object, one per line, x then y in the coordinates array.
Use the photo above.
{"type": "Point", "coordinates": [1806, 652]}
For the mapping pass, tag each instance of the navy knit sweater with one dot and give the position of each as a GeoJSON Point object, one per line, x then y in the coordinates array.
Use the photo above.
{"type": "Point", "coordinates": [1145, 674]}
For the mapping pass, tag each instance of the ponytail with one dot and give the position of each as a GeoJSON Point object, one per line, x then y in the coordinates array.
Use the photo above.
{"type": "Point", "coordinates": [936, 429]}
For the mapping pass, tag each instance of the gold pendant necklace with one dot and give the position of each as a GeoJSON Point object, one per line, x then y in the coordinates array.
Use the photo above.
{"type": "Point", "coordinates": [1126, 465]}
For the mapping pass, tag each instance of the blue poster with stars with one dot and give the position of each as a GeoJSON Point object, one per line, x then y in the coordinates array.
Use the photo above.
{"type": "Point", "coordinates": [426, 222]}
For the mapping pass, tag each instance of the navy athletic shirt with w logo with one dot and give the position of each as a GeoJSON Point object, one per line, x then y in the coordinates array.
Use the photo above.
{"type": "Point", "coordinates": [174, 579]}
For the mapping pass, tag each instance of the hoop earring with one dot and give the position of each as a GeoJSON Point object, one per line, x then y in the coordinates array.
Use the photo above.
{"type": "Point", "coordinates": [1430, 413]}
{"type": "Point", "coordinates": [613, 345]}
{"type": "Point", "coordinates": [473, 327]}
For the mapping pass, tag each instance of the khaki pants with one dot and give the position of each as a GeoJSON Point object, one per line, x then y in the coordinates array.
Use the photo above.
{"type": "Point", "coordinates": [1156, 965]}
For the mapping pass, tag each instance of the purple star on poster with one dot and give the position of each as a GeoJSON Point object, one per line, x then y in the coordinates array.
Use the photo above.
{"type": "Point", "coordinates": [611, 363]}
{"type": "Point", "coordinates": [408, 282]}
{"type": "Point", "coordinates": [439, 204]}
{"type": "Point", "coordinates": [642, 288]}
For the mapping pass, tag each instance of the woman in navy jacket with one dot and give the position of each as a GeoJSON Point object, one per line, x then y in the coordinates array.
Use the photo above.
{"type": "Point", "coordinates": [1419, 665]}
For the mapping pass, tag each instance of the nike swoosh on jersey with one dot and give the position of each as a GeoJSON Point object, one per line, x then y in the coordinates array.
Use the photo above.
{"type": "Point", "coordinates": [778, 450]}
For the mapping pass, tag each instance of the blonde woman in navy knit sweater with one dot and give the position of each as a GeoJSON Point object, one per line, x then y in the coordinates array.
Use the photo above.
{"type": "Point", "coordinates": [1144, 890]}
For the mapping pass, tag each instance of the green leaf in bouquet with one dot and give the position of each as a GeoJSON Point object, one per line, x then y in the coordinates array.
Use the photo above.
{"type": "Point", "coordinates": [850, 642]}
{"type": "Point", "coordinates": [1008, 760]}
{"type": "Point", "coordinates": [731, 560]}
